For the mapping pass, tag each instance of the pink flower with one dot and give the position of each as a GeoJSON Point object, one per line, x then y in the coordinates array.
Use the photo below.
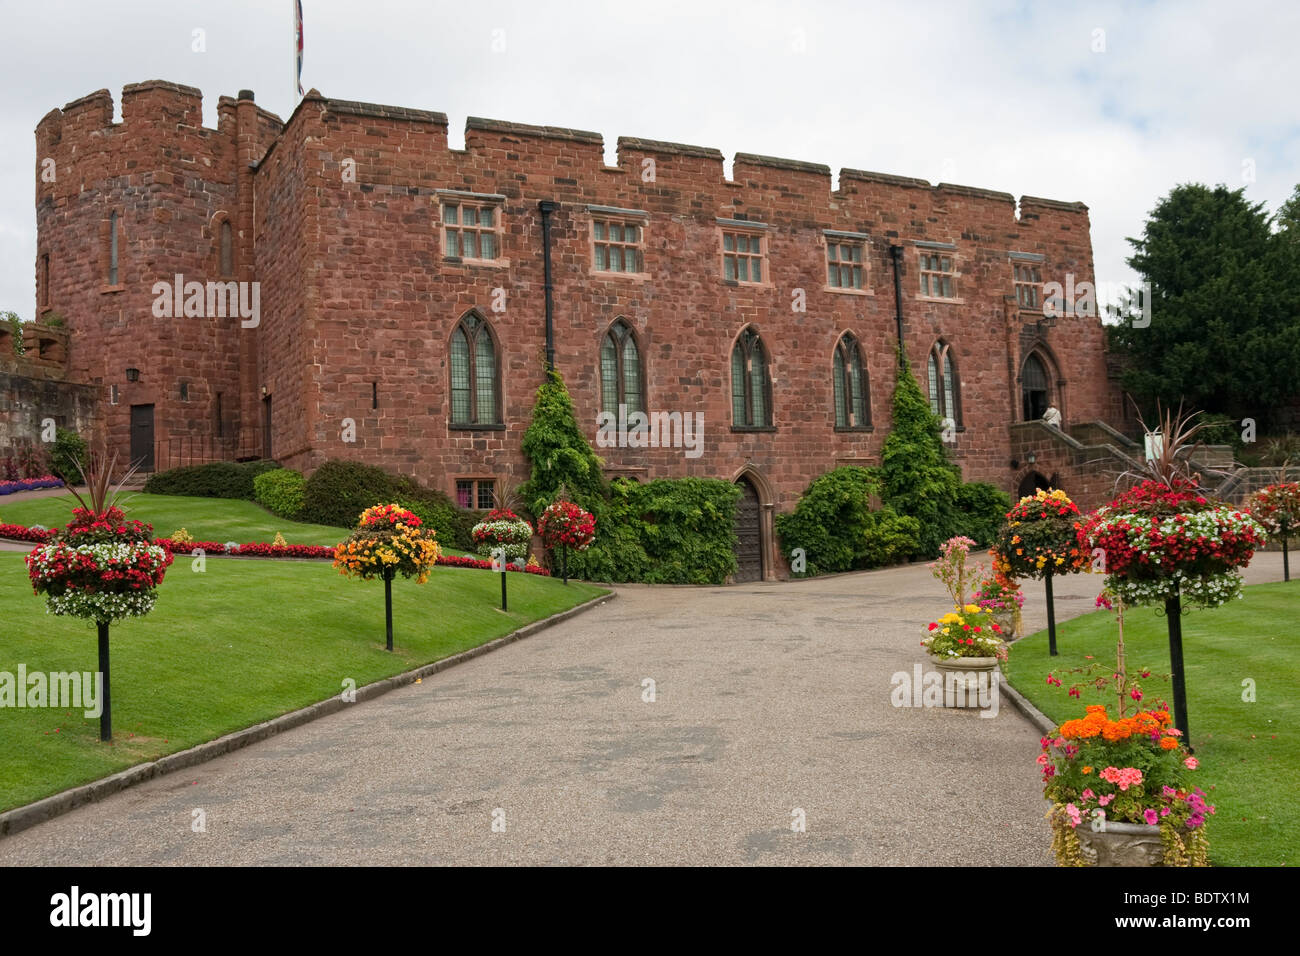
{"type": "Point", "coordinates": [1150, 816]}
{"type": "Point", "coordinates": [1169, 792]}
{"type": "Point", "coordinates": [1042, 760]}
{"type": "Point", "coordinates": [1105, 799]}
{"type": "Point", "coordinates": [1191, 763]}
{"type": "Point", "coordinates": [1088, 794]}
{"type": "Point", "coordinates": [1073, 812]}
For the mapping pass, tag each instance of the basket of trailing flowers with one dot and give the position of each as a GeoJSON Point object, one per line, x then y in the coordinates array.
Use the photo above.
{"type": "Point", "coordinates": [1166, 540]}
{"type": "Point", "coordinates": [1277, 509]}
{"type": "Point", "coordinates": [101, 567]}
{"type": "Point", "coordinates": [502, 529]}
{"type": "Point", "coordinates": [566, 527]}
{"type": "Point", "coordinates": [388, 540]}
{"type": "Point", "coordinates": [1121, 793]}
{"type": "Point", "coordinates": [964, 644]}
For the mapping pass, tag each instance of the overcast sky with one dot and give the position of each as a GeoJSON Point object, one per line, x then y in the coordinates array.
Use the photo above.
{"type": "Point", "coordinates": [1111, 104]}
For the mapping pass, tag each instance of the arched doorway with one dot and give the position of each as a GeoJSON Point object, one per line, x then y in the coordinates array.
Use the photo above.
{"type": "Point", "coordinates": [1032, 482]}
{"type": "Point", "coordinates": [1033, 388]}
{"type": "Point", "coordinates": [749, 533]}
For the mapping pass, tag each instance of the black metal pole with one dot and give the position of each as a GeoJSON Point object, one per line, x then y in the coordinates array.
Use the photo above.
{"type": "Point", "coordinates": [1051, 618]}
{"type": "Point", "coordinates": [546, 207]}
{"type": "Point", "coordinates": [564, 563]}
{"type": "Point", "coordinates": [106, 716]}
{"type": "Point", "coordinates": [1174, 613]}
{"type": "Point", "coordinates": [1286, 557]}
{"type": "Point", "coordinates": [504, 564]}
{"type": "Point", "coordinates": [897, 253]}
{"type": "Point", "coordinates": [388, 606]}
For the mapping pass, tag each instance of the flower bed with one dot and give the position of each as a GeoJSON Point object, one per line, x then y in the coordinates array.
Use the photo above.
{"type": "Point", "coordinates": [19, 532]}
{"type": "Point", "coordinates": [30, 484]}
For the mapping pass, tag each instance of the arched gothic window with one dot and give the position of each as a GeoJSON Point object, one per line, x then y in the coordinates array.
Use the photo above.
{"type": "Point", "coordinates": [475, 380]}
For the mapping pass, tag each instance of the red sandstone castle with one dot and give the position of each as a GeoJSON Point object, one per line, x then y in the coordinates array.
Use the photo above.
{"type": "Point", "coordinates": [344, 285]}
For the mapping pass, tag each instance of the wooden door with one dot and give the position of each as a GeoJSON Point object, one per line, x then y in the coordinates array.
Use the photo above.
{"type": "Point", "coordinates": [142, 437]}
{"type": "Point", "coordinates": [749, 534]}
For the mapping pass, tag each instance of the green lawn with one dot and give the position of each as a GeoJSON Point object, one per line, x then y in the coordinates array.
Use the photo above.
{"type": "Point", "coordinates": [244, 641]}
{"type": "Point", "coordinates": [206, 519]}
{"type": "Point", "coordinates": [1249, 752]}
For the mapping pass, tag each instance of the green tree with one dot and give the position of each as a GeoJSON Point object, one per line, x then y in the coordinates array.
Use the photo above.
{"type": "Point", "coordinates": [917, 479]}
{"type": "Point", "coordinates": [1223, 333]}
{"type": "Point", "coordinates": [560, 454]}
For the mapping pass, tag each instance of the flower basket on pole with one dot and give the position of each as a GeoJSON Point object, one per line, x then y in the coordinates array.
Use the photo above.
{"type": "Point", "coordinates": [1277, 509]}
{"type": "Point", "coordinates": [1165, 543]}
{"type": "Point", "coordinates": [564, 526]}
{"type": "Point", "coordinates": [100, 567]}
{"type": "Point", "coordinates": [388, 541]}
{"type": "Point", "coordinates": [1038, 541]}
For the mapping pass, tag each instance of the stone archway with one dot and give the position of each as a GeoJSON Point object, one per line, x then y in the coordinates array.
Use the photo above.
{"type": "Point", "coordinates": [1031, 482]}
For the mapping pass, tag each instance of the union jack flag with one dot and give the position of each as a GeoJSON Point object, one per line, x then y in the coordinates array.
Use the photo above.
{"type": "Point", "coordinates": [297, 22]}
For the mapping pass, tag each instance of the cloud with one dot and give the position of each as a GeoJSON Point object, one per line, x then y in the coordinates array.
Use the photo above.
{"type": "Point", "coordinates": [1006, 95]}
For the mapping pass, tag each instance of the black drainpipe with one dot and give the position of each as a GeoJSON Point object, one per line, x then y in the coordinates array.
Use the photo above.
{"type": "Point", "coordinates": [896, 252]}
{"type": "Point", "coordinates": [546, 207]}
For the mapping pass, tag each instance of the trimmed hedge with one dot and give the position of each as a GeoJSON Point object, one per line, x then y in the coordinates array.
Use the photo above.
{"type": "Point", "coordinates": [667, 531]}
{"type": "Point", "coordinates": [338, 491]}
{"type": "Point", "coordinates": [981, 510]}
{"type": "Point", "coordinates": [219, 479]}
{"type": "Point", "coordinates": [281, 491]}
{"type": "Point", "coordinates": [834, 525]}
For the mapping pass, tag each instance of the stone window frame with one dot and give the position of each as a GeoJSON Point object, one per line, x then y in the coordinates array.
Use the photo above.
{"type": "Point", "coordinates": [836, 237]}
{"type": "Point", "coordinates": [941, 251]}
{"type": "Point", "coordinates": [750, 230]}
{"type": "Point", "coordinates": [847, 347]}
{"type": "Point", "coordinates": [461, 199]}
{"type": "Point", "coordinates": [471, 338]}
{"type": "Point", "coordinates": [745, 340]}
{"type": "Point", "coordinates": [476, 482]}
{"type": "Point", "coordinates": [621, 392]}
{"type": "Point", "coordinates": [43, 281]}
{"type": "Point", "coordinates": [940, 372]}
{"type": "Point", "coordinates": [606, 216]}
{"type": "Point", "coordinates": [1027, 261]}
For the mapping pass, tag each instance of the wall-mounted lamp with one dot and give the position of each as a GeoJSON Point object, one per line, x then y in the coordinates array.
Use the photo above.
{"type": "Point", "coordinates": [1031, 458]}
{"type": "Point", "coordinates": [133, 375]}
{"type": "Point", "coordinates": [264, 391]}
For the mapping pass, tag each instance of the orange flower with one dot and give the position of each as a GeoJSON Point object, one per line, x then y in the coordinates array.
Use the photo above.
{"type": "Point", "coordinates": [1168, 743]}
{"type": "Point", "coordinates": [1087, 770]}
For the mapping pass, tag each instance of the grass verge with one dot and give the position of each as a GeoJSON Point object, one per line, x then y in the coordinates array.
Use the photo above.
{"type": "Point", "coordinates": [240, 643]}
{"type": "Point", "coordinates": [1249, 750]}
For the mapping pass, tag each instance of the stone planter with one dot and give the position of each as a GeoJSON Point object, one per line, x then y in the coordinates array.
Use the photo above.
{"type": "Point", "coordinates": [1121, 844]}
{"type": "Point", "coordinates": [1007, 621]}
{"type": "Point", "coordinates": [965, 679]}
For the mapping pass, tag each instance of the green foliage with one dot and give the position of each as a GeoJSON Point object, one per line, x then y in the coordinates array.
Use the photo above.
{"type": "Point", "coordinates": [560, 455]}
{"type": "Point", "coordinates": [218, 479]}
{"type": "Point", "coordinates": [1225, 296]}
{"type": "Point", "coordinates": [282, 491]}
{"type": "Point", "coordinates": [68, 449]}
{"type": "Point", "coordinates": [917, 480]}
{"type": "Point", "coordinates": [981, 510]}
{"type": "Point", "coordinates": [668, 531]}
{"type": "Point", "coordinates": [834, 525]}
{"type": "Point", "coordinates": [338, 491]}
{"type": "Point", "coordinates": [15, 326]}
